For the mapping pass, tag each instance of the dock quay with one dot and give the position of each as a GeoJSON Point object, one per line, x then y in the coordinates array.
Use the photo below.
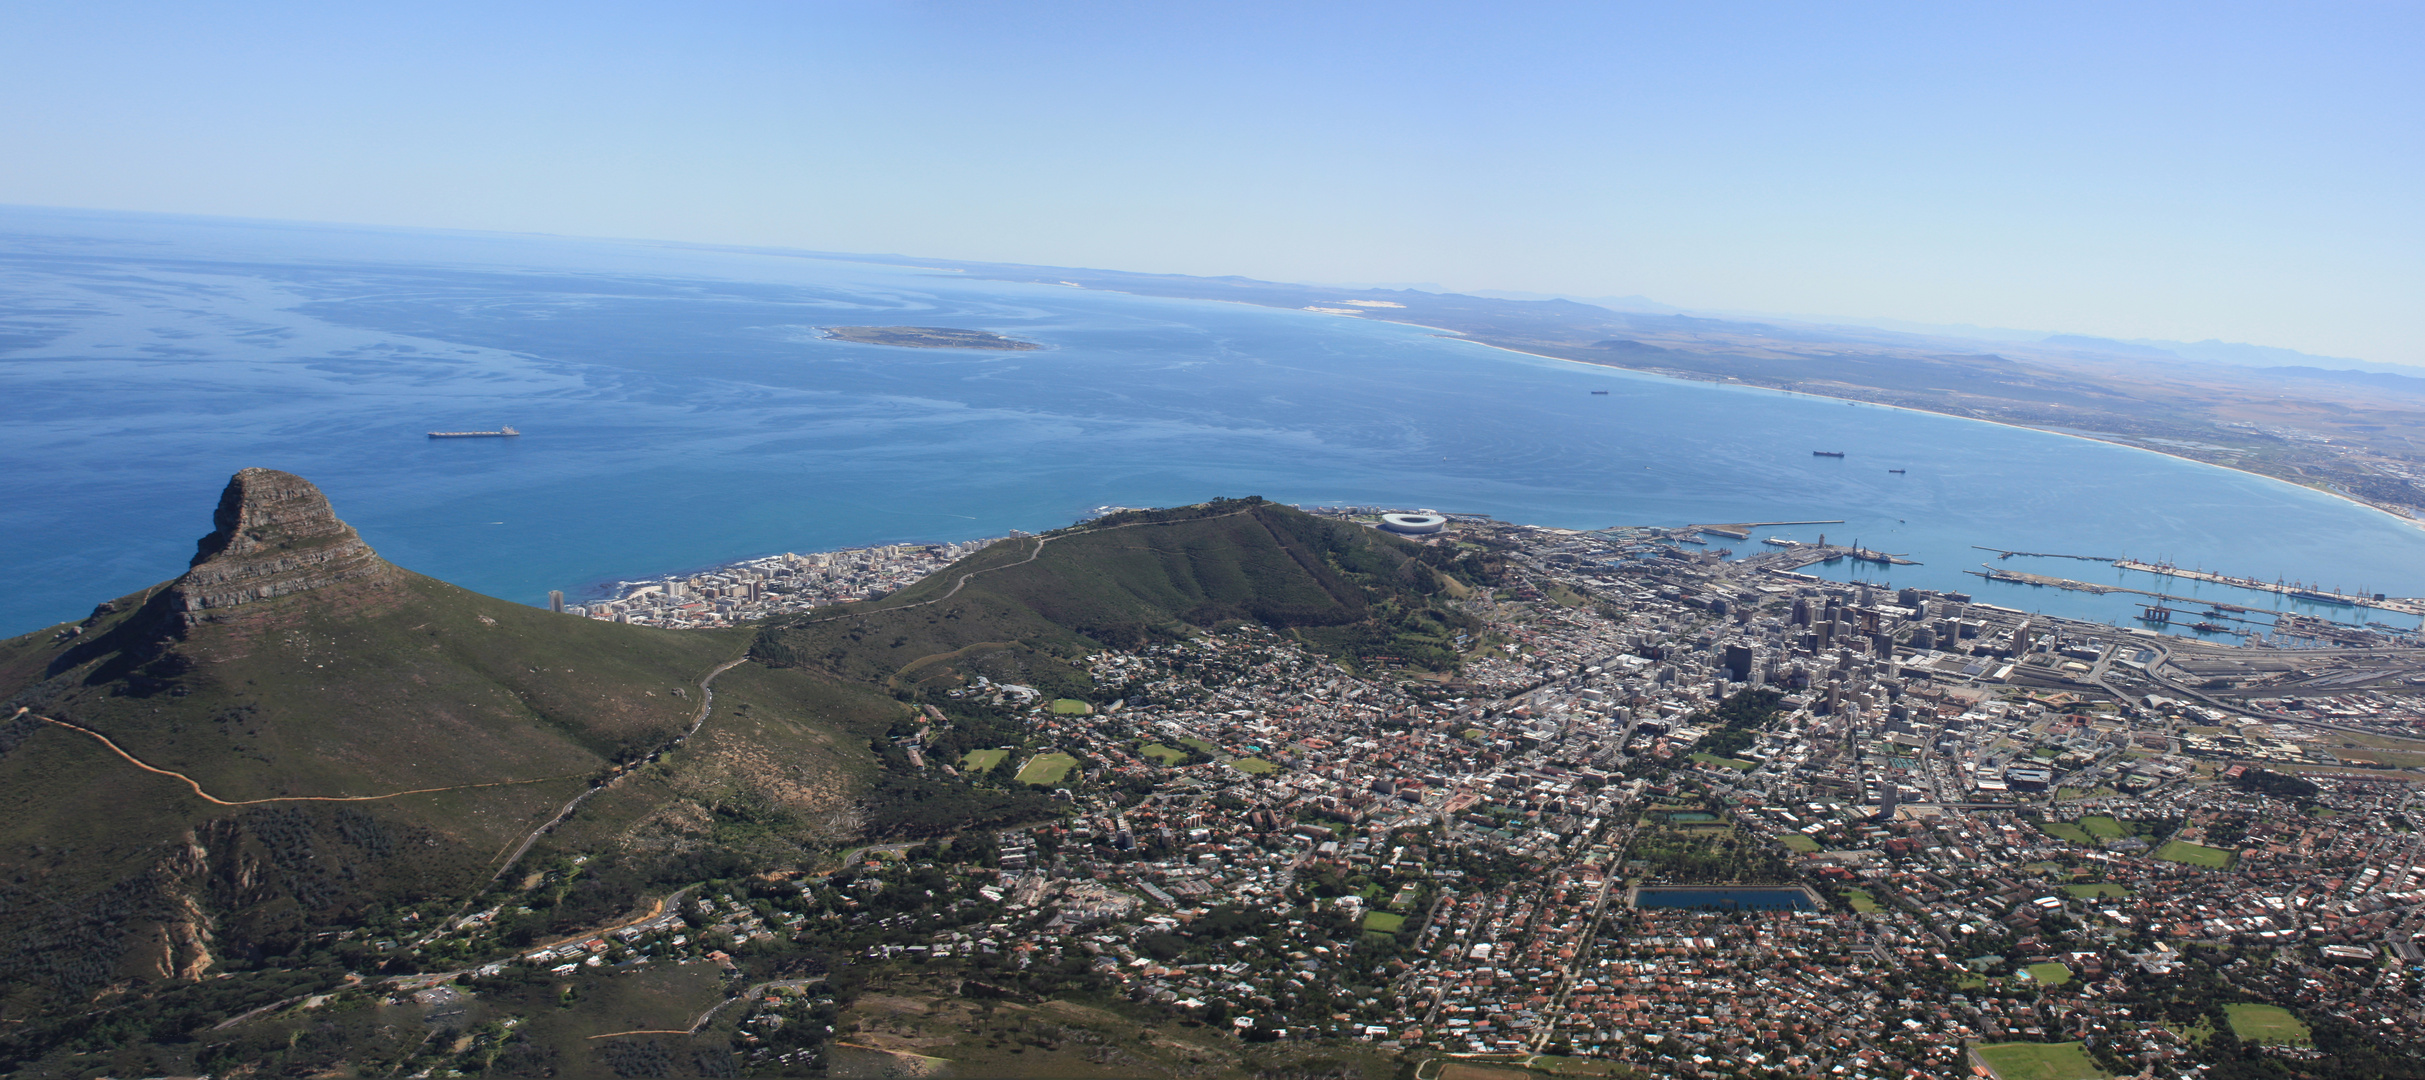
{"type": "Point", "coordinates": [2003, 554]}
{"type": "Point", "coordinates": [1994, 573]}
{"type": "Point", "coordinates": [1741, 530]}
{"type": "Point", "coordinates": [1795, 558]}
{"type": "Point", "coordinates": [2022, 577]}
{"type": "Point", "coordinates": [2403, 605]}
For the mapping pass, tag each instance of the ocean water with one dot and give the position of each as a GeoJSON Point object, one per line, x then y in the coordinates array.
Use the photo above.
{"type": "Point", "coordinates": [680, 409]}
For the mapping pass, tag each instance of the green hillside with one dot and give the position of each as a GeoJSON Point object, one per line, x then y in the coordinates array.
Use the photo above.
{"type": "Point", "coordinates": [302, 738]}
{"type": "Point", "coordinates": [1017, 610]}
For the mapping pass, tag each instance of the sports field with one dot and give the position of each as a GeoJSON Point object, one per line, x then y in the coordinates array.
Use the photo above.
{"type": "Point", "coordinates": [1383, 922]}
{"type": "Point", "coordinates": [982, 760]}
{"type": "Point", "coordinates": [1046, 769]}
{"type": "Point", "coordinates": [2103, 889]}
{"type": "Point", "coordinates": [2064, 830]}
{"type": "Point", "coordinates": [2182, 851]}
{"type": "Point", "coordinates": [1254, 765]}
{"type": "Point", "coordinates": [2103, 827]}
{"type": "Point", "coordinates": [1072, 707]}
{"type": "Point", "coordinates": [1167, 755]}
{"type": "Point", "coordinates": [2049, 974]}
{"type": "Point", "coordinates": [2267, 1024]}
{"type": "Point", "coordinates": [2039, 1061]}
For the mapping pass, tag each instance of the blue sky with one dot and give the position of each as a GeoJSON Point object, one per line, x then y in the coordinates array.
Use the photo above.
{"type": "Point", "coordinates": [2190, 171]}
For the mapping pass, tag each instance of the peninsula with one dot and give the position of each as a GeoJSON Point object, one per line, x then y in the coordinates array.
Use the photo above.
{"type": "Point", "coordinates": [928, 337]}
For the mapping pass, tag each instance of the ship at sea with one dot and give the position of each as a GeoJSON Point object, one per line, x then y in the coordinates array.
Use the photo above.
{"type": "Point", "coordinates": [1827, 453]}
{"type": "Point", "coordinates": [500, 433]}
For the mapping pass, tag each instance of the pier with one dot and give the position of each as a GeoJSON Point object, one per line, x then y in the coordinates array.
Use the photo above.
{"type": "Point", "coordinates": [2003, 554]}
{"type": "Point", "coordinates": [1741, 530]}
{"type": "Point", "coordinates": [1799, 556]}
{"type": "Point", "coordinates": [2214, 609]}
{"type": "Point", "coordinates": [2403, 605]}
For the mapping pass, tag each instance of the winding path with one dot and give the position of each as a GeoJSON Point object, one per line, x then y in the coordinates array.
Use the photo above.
{"type": "Point", "coordinates": [707, 702]}
{"type": "Point", "coordinates": [210, 798]}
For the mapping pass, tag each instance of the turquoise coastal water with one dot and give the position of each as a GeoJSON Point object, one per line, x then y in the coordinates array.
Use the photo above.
{"type": "Point", "coordinates": [680, 410]}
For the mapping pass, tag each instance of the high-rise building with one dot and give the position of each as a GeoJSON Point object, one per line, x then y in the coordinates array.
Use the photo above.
{"type": "Point", "coordinates": [555, 600]}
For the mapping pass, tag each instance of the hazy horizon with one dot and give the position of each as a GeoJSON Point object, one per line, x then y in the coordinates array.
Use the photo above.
{"type": "Point", "coordinates": [2165, 172]}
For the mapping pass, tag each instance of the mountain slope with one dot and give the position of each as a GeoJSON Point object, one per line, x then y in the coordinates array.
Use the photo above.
{"type": "Point", "coordinates": [296, 684]}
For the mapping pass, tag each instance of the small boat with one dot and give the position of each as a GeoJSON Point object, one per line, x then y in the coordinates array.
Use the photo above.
{"type": "Point", "coordinates": [1827, 453]}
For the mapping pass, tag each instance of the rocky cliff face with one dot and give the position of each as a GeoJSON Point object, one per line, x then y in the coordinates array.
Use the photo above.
{"type": "Point", "coordinates": [275, 536]}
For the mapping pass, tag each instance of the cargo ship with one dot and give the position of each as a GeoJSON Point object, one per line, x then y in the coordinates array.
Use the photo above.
{"type": "Point", "coordinates": [500, 433]}
{"type": "Point", "coordinates": [1827, 453]}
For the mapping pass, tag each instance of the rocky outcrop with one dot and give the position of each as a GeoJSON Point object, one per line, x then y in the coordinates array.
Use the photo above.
{"type": "Point", "coordinates": [275, 536]}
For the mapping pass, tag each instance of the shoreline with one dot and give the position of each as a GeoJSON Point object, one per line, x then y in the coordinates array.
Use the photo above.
{"type": "Point", "coordinates": [1452, 335]}
{"type": "Point", "coordinates": [1448, 334]}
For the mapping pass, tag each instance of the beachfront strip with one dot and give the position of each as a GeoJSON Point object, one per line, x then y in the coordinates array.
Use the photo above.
{"type": "Point", "coordinates": [2010, 828]}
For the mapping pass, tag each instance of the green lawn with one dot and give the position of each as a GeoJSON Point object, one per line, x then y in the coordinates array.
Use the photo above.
{"type": "Point", "coordinates": [982, 760]}
{"type": "Point", "coordinates": [1737, 764]}
{"type": "Point", "coordinates": [1797, 842]}
{"type": "Point", "coordinates": [2103, 827]}
{"type": "Point", "coordinates": [1167, 755]}
{"type": "Point", "coordinates": [2064, 830]}
{"type": "Point", "coordinates": [2049, 974]}
{"type": "Point", "coordinates": [2182, 851]}
{"type": "Point", "coordinates": [1382, 922]}
{"type": "Point", "coordinates": [2040, 1061]}
{"type": "Point", "coordinates": [2104, 889]}
{"type": "Point", "coordinates": [1046, 769]}
{"type": "Point", "coordinates": [1201, 747]}
{"type": "Point", "coordinates": [1860, 900]}
{"type": "Point", "coordinates": [1072, 707]}
{"type": "Point", "coordinates": [1255, 765]}
{"type": "Point", "coordinates": [2266, 1024]}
